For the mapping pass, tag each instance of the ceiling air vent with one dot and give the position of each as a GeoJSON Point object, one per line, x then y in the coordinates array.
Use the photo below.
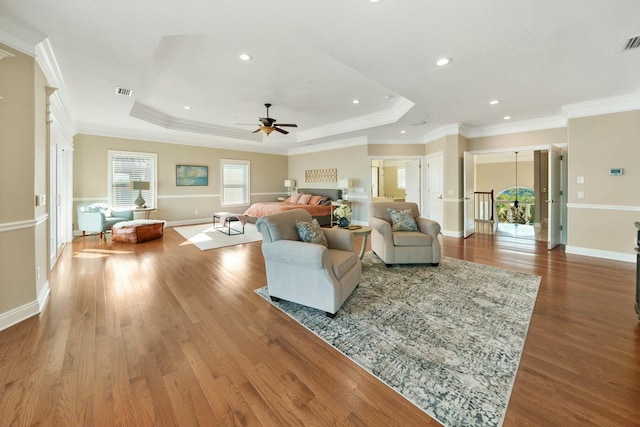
{"type": "Point", "coordinates": [122, 91]}
{"type": "Point", "coordinates": [632, 43]}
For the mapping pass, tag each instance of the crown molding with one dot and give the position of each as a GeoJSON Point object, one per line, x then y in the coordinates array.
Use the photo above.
{"type": "Point", "coordinates": [391, 115]}
{"type": "Point", "coordinates": [20, 37]}
{"type": "Point", "coordinates": [151, 115]}
{"type": "Point", "coordinates": [542, 123]}
{"type": "Point", "coordinates": [335, 145]}
{"type": "Point", "coordinates": [48, 63]}
{"type": "Point", "coordinates": [197, 140]}
{"type": "Point", "coordinates": [5, 54]}
{"type": "Point", "coordinates": [598, 107]}
{"type": "Point", "coordinates": [446, 130]}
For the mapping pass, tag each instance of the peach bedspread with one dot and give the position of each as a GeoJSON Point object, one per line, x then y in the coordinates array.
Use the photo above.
{"type": "Point", "coordinates": [258, 210]}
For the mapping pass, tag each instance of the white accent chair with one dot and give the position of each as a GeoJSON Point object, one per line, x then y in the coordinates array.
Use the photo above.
{"type": "Point", "coordinates": [403, 247]}
{"type": "Point", "coordinates": [307, 273]}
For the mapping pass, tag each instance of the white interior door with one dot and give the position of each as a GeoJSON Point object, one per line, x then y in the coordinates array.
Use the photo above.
{"type": "Point", "coordinates": [555, 199]}
{"type": "Point", "coordinates": [435, 188]}
{"type": "Point", "coordinates": [412, 187]}
{"type": "Point", "coordinates": [469, 188]}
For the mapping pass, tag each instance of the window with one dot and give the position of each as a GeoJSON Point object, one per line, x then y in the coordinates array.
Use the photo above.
{"type": "Point", "coordinates": [402, 178]}
{"type": "Point", "coordinates": [235, 182]}
{"type": "Point", "coordinates": [125, 167]}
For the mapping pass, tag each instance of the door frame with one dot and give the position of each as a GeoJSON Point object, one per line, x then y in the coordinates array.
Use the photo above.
{"type": "Point", "coordinates": [563, 185]}
{"type": "Point", "coordinates": [421, 160]}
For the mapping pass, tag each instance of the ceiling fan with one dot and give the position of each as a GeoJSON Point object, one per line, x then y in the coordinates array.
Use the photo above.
{"type": "Point", "coordinates": [268, 124]}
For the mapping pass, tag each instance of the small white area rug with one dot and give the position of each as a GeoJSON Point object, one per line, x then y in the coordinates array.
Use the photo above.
{"type": "Point", "coordinates": [205, 237]}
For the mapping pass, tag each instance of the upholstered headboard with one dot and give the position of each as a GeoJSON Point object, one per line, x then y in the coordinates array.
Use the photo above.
{"type": "Point", "coordinates": [331, 193]}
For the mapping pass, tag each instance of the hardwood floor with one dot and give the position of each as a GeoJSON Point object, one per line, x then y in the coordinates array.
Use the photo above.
{"type": "Point", "coordinates": [162, 333]}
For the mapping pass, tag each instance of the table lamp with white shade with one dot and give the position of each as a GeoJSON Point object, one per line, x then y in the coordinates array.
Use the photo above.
{"type": "Point", "coordinates": [289, 183]}
{"type": "Point", "coordinates": [344, 183]}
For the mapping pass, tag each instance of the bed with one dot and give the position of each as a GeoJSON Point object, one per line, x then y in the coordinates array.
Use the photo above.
{"type": "Point", "coordinates": [322, 212]}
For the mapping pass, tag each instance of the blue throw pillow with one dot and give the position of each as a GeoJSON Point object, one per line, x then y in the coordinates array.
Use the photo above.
{"type": "Point", "coordinates": [311, 232]}
{"type": "Point", "coordinates": [402, 220]}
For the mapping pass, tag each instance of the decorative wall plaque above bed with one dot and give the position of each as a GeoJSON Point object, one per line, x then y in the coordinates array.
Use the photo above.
{"type": "Point", "coordinates": [321, 175]}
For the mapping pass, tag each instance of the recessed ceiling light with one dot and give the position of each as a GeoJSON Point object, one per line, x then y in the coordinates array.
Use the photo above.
{"type": "Point", "coordinates": [507, 117]}
{"type": "Point", "coordinates": [186, 107]}
{"type": "Point", "coordinates": [356, 101]}
{"type": "Point", "coordinates": [403, 131]}
{"type": "Point", "coordinates": [245, 57]}
{"type": "Point", "coordinates": [494, 102]}
{"type": "Point", "coordinates": [443, 61]}
{"type": "Point", "coordinates": [374, 1]}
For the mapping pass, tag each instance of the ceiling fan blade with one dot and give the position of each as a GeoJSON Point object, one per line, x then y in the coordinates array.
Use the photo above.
{"type": "Point", "coordinates": [266, 121]}
{"type": "Point", "coordinates": [281, 130]}
{"type": "Point", "coordinates": [291, 125]}
{"type": "Point", "coordinates": [256, 131]}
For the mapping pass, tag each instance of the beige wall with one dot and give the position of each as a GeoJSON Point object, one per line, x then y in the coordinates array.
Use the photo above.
{"type": "Point", "coordinates": [499, 176]}
{"type": "Point", "coordinates": [268, 172]}
{"type": "Point", "coordinates": [351, 162]}
{"type": "Point", "coordinates": [454, 148]}
{"type": "Point", "coordinates": [23, 169]}
{"type": "Point", "coordinates": [603, 219]}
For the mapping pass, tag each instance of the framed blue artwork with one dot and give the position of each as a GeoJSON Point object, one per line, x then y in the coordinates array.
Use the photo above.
{"type": "Point", "coordinates": [192, 175]}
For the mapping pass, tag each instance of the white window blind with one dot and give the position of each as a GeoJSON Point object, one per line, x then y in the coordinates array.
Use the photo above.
{"type": "Point", "coordinates": [235, 182]}
{"type": "Point", "coordinates": [128, 166]}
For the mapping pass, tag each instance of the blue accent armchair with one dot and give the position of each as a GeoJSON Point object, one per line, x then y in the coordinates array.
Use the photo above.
{"type": "Point", "coordinates": [99, 218]}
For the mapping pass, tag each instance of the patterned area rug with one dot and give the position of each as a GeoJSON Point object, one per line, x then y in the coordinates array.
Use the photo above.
{"type": "Point", "coordinates": [448, 338]}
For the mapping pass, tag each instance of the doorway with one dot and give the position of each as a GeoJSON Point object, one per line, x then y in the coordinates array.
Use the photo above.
{"type": "Point", "coordinates": [396, 180]}
{"type": "Point", "coordinates": [526, 184]}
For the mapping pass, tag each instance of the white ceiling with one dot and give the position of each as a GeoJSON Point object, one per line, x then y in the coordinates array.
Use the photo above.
{"type": "Point", "coordinates": [311, 59]}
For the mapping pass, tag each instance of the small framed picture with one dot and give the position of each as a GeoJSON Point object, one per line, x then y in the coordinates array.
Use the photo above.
{"type": "Point", "coordinates": [187, 175]}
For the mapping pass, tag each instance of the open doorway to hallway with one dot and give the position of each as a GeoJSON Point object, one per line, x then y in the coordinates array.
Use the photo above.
{"type": "Point", "coordinates": [518, 182]}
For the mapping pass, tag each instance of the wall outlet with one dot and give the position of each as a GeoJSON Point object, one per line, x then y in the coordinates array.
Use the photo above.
{"type": "Point", "coordinates": [41, 199]}
{"type": "Point", "coordinates": [580, 194]}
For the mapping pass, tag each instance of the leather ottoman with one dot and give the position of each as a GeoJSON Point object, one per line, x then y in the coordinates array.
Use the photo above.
{"type": "Point", "coordinates": [137, 231]}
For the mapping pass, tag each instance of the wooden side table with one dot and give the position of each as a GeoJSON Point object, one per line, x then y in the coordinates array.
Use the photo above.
{"type": "Point", "coordinates": [146, 211]}
{"type": "Point", "coordinates": [362, 230]}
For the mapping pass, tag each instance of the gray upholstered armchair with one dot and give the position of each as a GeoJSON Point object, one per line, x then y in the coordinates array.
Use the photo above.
{"type": "Point", "coordinates": [307, 273]}
{"type": "Point", "coordinates": [403, 247]}
{"type": "Point", "coordinates": [99, 218]}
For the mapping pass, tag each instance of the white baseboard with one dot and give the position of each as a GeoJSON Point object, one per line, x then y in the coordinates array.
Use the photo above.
{"type": "Point", "coordinates": [596, 253]}
{"type": "Point", "coordinates": [18, 314]}
{"type": "Point", "coordinates": [450, 233]}
{"type": "Point", "coordinates": [189, 222]}
{"type": "Point", "coordinates": [43, 296]}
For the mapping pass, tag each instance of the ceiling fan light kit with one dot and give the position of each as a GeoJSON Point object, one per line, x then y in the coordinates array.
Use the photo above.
{"type": "Point", "coordinates": [268, 124]}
